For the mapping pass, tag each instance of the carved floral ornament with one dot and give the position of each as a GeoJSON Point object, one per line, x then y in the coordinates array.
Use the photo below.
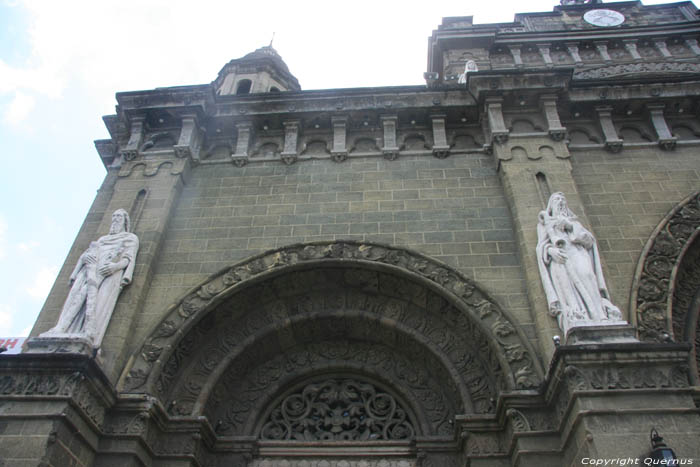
{"type": "Point", "coordinates": [514, 354]}
{"type": "Point", "coordinates": [632, 70]}
{"type": "Point", "coordinates": [652, 290]}
{"type": "Point", "coordinates": [338, 410]}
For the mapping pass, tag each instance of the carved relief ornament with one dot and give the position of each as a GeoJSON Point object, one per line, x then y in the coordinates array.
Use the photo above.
{"type": "Point", "coordinates": [652, 290]}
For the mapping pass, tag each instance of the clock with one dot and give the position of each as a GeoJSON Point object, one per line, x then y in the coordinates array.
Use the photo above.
{"type": "Point", "coordinates": [604, 18]}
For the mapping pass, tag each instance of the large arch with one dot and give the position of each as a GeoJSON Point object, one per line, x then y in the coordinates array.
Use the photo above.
{"type": "Point", "coordinates": [665, 299]}
{"type": "Point", "coordinates": [395, 320]}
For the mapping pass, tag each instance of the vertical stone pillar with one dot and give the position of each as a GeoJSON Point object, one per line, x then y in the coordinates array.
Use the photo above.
{"type": "Point", "coordinates": [339, 152]}
{"type": "Point", "coordinates": [245, 130]}
{"type": "Point", "coordinates": [291, 135]}
{"type": "Point", "coordinates": [525, 163]}
{"type": "Point", "coordinates": [440, 147]}
{"type": "Point", "coordinates": [390, 149]}
{"type": "Point", "coordinates": [131, 150]}
{"type": "Point", "coordinates": [613, 142]}
{"type": "Point", "coordinates": [666, 140]}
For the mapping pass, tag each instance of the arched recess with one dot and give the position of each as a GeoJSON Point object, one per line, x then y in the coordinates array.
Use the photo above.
{"type": "Point", "coordinates": [392, 318]}
{"type": "Point", "coordinates": [663, 302]}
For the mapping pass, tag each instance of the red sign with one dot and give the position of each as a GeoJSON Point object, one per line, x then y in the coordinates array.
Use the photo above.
{"type": "Point", "coordinates": [12, 344]}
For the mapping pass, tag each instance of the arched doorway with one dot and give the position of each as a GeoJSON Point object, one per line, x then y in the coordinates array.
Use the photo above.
{"type": "Point", "coordinates": [666, 292]}
{"type": "Point", "coordinates": [350, 351]}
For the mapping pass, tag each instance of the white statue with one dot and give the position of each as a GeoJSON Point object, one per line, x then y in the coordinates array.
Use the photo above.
{"type": "Point", "coordinates": [571, 270]}
{"type": "Point", "coordinates": [102, 271]}
{"type": "Point", "coordinates": [469, 67]}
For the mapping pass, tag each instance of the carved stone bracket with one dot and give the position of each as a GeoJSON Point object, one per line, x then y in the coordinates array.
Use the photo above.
{"type": "Point", "coordinates": [339, 153]}
{"type": "Point", "coordinates": [240, 157]}
{"type": "Point", "coordinates": [572, 47]}
{"type": "Point", "coordinates": [555, 129]}
{"type": "Point", "coordinates": [390, 148]}
{"type": "Point", "coordinates": [652, 290]}
{"type": "Point", "coordinates": [497, 126]}
{"type": "Point", "coordinates": [190, 140]}
{"type": "Point", "coordinates": [666, 140]}
{"type": "Point", "coordinates": [545, 53]}
{"type": "Point", "coordinates": [613, 143]}
{"type": "Point", "coordinates": [692, 44]}
{"type": "Point", "coordinates": [131, 150]}
{"type": "Point", "coordinates": [291, 135]}
{"type": "Point", "coordinates": [517, 55]}
{"type": "Point", "coordinates": [440, 147]}
{"type": "Point", "coordinates": [661, 46]}
{"type": "Point", "coordinates": [602, 47]}
{"type": "Point", "coordinates": [516, 357]}
{"type": "Point", "coordinates": [631, 46]}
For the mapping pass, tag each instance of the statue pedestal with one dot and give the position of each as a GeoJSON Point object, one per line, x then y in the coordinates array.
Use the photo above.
{"type": "Point", "coordinates": [601, 334]}
{"type": "Point", "coordinates": [60, 344]}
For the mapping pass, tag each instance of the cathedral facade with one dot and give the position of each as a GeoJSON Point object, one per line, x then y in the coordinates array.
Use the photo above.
{"type": "Point", "coordinates": [390, 277]}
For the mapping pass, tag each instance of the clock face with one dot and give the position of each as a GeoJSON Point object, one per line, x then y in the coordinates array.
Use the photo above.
{"type": "Point", "coordinates": [604, 18]}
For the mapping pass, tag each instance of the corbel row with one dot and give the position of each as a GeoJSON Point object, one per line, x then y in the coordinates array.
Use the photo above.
{"type": "Point", "coordinates": [339, 150]}
{"type": "Point", "coordinates": [602, 47]}
{"type": "Point", "coordinates": [188, 145]}
{"type": "Point", "coordinates": [613, 142]}
{"type": "Point", "coordinates": [497, 127]}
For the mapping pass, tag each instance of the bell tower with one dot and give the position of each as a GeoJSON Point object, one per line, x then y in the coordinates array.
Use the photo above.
{"type": "Point", "coordinates": [260, 71]}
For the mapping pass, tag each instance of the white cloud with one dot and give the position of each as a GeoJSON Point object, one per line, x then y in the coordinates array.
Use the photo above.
{"type": "Point", "coordinates": [26, 247]}
{"type": "Point", "coordinates": [6, 318]}
{"type": "Point", "coordinates": [43, 281]}
{"type": "Point", "coordinates": [19, 108]}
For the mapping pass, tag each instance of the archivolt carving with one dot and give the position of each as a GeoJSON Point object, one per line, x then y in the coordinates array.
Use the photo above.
{"type": "Point", "coordinates": [478, 319]}
{"type": "Point", "coordinates": [245, 389]}
{"type": "Point", "coordinates": [686, 303]}
{"type": "Point", "coordinates": [652, 290]}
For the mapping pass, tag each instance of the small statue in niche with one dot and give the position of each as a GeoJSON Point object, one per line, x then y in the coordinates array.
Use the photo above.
{"type": "Point", "coordinates": [469, 67]}
{"type": "Point", "coordinates": [101, 272]}
{"type": "Point", "coordinates": [571, 271]}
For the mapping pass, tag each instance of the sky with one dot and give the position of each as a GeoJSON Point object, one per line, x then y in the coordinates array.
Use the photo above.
{"type": "Point", "coordinates": [61, 63]}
